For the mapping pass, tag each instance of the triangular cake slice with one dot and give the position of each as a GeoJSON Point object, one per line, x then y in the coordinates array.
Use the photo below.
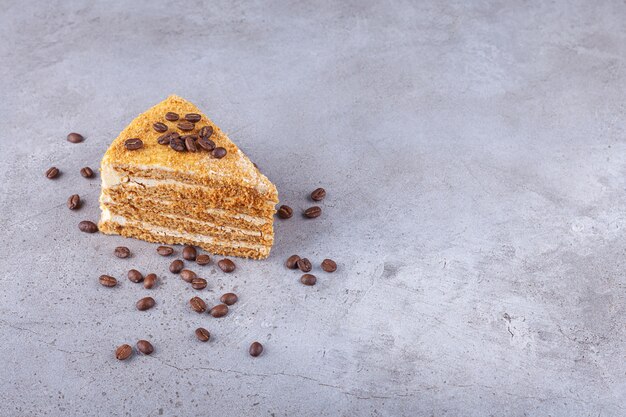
{"type": "Point", "coordinates": [172, 176]}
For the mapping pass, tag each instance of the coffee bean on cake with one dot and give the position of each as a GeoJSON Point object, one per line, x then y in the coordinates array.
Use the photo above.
{"type": "Point", "coordinates": [171, 116]}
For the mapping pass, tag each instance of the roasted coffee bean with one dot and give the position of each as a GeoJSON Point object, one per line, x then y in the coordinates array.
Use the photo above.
{"type": "Point", "coordinates": [145, 347]}
{"type": "Point", "coordinates": [193, 117]}
{"type": "Point", "coordinates": [87, 226]}
{"type": "Point", "coordinates": [318, 194]}
{"type": "Point", "coordinates": [229, 298]}
{"type": "Point", "coordinates": [160, 127]}
{"type": "Point", "coordinates": [186, 126]}
{"type": "Point", "coordinates": [52, 173]}
{"type": "Point", "coordinates": [167, 138]}
{"type": "Point", "coordinates": [133, 144]}
{"type": "Point", "coordinates": [73, 202]}
{"type": "Point", "coordinates": [122, 252]}
{"type": "Point", "coordinates": [203, 334]}
{"type": "Point", "coordinates": [255, 349]}
{"type": "Point", "coordinates": [198, 283]}
{"type": "Point", "coordinates": [206, 144]}
{"type": "Point", "coordinates": [123, 352]}
{"type": "Point", "coordinates": [304, 264]}
{"type": "Point", "coordinates": [190, 143]}
{"type": "Point", "coordinates": [171, 116]}
{"type": "Point", "coordinates": [165, 250]}
{"type": "Point", "coordinates": [292, 262]}
{"type": "Point", "coordinates": [285, 212]}
{"type": "Point", "coordinates": [108, 281]}
{"type": "Point", "coordinates": [177, 144]}
{"type": "Point", "coordinates": [203, 259]}
{"type": "Point", "coordinates": [189, 253]}
{"type": "Point", "coordinates": [312, 212]}
{"type": "Point", "coordinates": [187, 275]}
{"type": "Point", "coordinates": [226, 265]}
{"type": "Point", "coordinates": [176, 266]}
{"type": "Point", "coordinates": [206, 132]}
{"type": "Point", "coordinates": [218, 153]}
{"type": "Point", "coordinates": [308, 279]}
{"type": "Point", "coordinates": [86, 172]}
{"type": "Point", "coordinates": [145, 303]}
{"type": "Point", "coordinates": [328, 265]}
{"type": "Point", "coordinates": [135, 276]}
{"type": "Point", "coordinates": [219, 310]}
{"type": "Point", "coordinates": [149, 281]}
{"type": "Point", "coordinates": [198, 305]}
{"type": "Point", "coordinates": [75, 137]}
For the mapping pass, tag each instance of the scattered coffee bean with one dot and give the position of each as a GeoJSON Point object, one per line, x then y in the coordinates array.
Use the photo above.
{"type": "Point", "coordinates": [203, 259]}
{"type": "Point", "coordinates": [165, 250]}
{"type": "Point", "coordinates": [312, 212]}
{"type": "Point", "coordinates": [206, 132]}
{"type": "Point", "coordinates": [73, 202]}
{"type": "Point", "coordinates": [166, 138]}
{"type": "Point", "coordinates": [226, 265]}
{"type": "Point", "coordinates": [304, 264]}
{"type": "Point", "coordinates": [255, 349]}
{"type": "Point", "coordinates": [219, 310]}
{"type": "Point", "coordinates": [190, 143]}
{"type": "Point", "coordinates": [145, 303]}
{"type": "Point", "coordinates": [292, 262]}
{"type": "Point", "coordinates": [189, 253]}
{"type": "Point", "coordinates": [86, 172]}
{"type": "Point", "coordinates": [206, 144]}
{"type": "Point", "coordinates": [108, 281]}
{"type": "Point", "coordinates": [285, 212]}
{"type": "Point", "coordinates": [203, 334]}
{"type": "Point", "coordinates": [308, 279]}
{"type": "Point", "coordinates": [133, 144]}
{"type": "Point", "coordinates": [198, 283]}
{"type": "Point", "coordinates": [328, 265]}
{"type": "Point", "coordinates": [87, 226]}
{"type": "Point", "coordinates": [145, 347]}
{"type": "Point", "coordinates": [149, 281]}
{"type": "Point", "coordinates": [177, 144]}
{"type": "Point", "coordinates": [122, 252]}
{"type": "Point", "coordinates": [198, 305]}
{"type": "Point", "coordinates": [123, 352]}
{"type": "Point", "coordinates": [218, 153]}
{"type": "Point", "coordinates": [52, 173]}
{"type": "Point", "coordinates": [186, 126]}
{"type": "Point", "coordinates": [318, 194]}
{"type": "Point", "coordinates": [187, 275]}
{"type": "Point", "coordinates": [135, 276]}
{"type": "Point", "coordinates": [229, 298]}
{"type": "Point", "coordinates": [193, 117]}
{"type": "Point", "coordinates": [160, 127]}
{"type": "Point", "coordinates": [176, 266]}
{"type": "Point", "coordinates": [171, 116]}
{"type": "Point", "coordinates": [75, 137]}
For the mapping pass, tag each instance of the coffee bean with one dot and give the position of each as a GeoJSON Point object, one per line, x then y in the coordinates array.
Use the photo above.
{"type": "Point", "coordinates": [308, 279]}
{"type": "Point", "coordinates": [198, 305]}
{"type": "Point", "coordinates": [255, 349]}
{"type": "Point", "coordinates": [87, 226]}
{"type": "Point", "coordinates": [86, 172]}
{"type": "Point", "coordinates": [171, 116]}
{"type": "Point", "coordinates": [203, 259]}
{"type": "Point", "coordinates": [123, 352]}
{"type": "Point", "coordinates": [189, 253]}
{"type": "Point", "coordinates": [328, 265]}
{"type": "Point", "coordinates": [193, 117]}
{"type": "Point", "coordinates": [206, 132]}
{"type": "Point", "coordinates": [219, 153]}
{"type": "Point", "coordinates": [292, 262]}
{"type": "Point", "coordinates": [176, 266]}
{"type": "Point", "coordinates": [190, 143]}
{"type": "Point", "coordinates": [122, 252]}
{"type": "Point", "coordinates": [135, 276]}
{"type": "Point", "coordinates": [149, 281]}
{"type": "Point", "coordinates": [219, 310]}
{"type": "Point", "coordinates": [52, 173]}
{"type": "Point", "coordinates": [198, 283]}
{"type": "Point", "coordinates": [318, 194]}
{"type": "Point", "coordinates": [203, 334]}
{"type": "Point", "coordinates": [206, 144]}
{"type": "Point", "coordinates": [187, 275]}
{"type": "Point", "coordinates": [226, 265]}
{"type": "Point", "coordinates": [160, 127]}
{"type": "Point", "coordinates": [108, 281]}
{"type": "Point", "coordinates": [177, 144]}
{"type": "Point", "coordinates": [229, 298]}
{"type": "Point", "coordinates": [133, 144]}
{"type": "Point", "coordinates": [166, 138]}
{"type": "Point", "coordinates": [145, 303]}
{"type": "Point", "coordinates": [312, 212]}
{"type": "Point", "coordinates": [75, 137]}
{"type": "Point", "coordinates": [285, 212]}
{"type": "Point", "coordinates": [165, 250]}
{"type": "Point", "coordinates": [304, 264]}
{"type": "Point", "coordinates": [185, 126]}
{"type": "Point", "coordinates": [145, 347]}
{"type": "Point", "coordinates": [73, 202]}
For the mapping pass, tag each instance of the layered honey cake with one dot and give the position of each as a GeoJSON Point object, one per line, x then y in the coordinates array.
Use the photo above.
{"type": "Point", "coordinates": [173, 176]}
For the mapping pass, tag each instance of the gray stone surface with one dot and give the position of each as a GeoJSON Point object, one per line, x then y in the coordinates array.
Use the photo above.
{"type": "Point", "coordinates": [474, 157]}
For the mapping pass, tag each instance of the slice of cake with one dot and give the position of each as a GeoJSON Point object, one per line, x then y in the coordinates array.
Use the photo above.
{"type": "Point", "coordinates": [172, 176]}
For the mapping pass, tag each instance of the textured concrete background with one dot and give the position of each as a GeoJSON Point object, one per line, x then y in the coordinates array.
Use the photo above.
{"type": "Point", "coordinates": [474, 158]}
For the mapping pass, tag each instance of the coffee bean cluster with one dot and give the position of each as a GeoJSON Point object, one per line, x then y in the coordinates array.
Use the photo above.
{"type": "Point", "coordinates": [285, 212]}
{"type": "Point", "coordinates": [304, 265]}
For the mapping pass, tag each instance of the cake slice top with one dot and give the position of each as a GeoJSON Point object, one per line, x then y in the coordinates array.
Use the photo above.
{"type": "Point", "coordinates": [234, 169]}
